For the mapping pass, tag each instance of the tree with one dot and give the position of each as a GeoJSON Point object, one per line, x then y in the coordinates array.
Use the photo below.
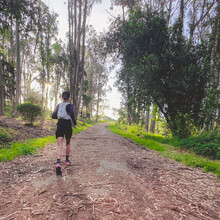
{"type": "Point", "coordinates": [96, 72]}
{"type": "Point", "coordinates": [158, 64]}
{"type": "Point", "coordinates": [60, 68]}
{"type": "Point", "coordinates": [1, 88]}
{"type": "Point", "coordinates": [17, 18]}
{"type": "Point", "coordinates": [77, 16]}
{"type": "Point", "coordinates": [47, 26]}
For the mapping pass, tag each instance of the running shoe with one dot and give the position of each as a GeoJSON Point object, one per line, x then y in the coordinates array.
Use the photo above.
{"type": "Point", "coordinates": [58, 169]}
{"type": "Point", "coordinates": [67, 162]}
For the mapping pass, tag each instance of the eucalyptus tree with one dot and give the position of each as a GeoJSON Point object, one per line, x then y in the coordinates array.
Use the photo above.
{"type": "Point", "coordinates": [60, 68]}
{"type": "Point", "coordinates": [47, 30]}
{"type": "Point", "coordinates": [78, 12]}
{"type": "Point", "coordinates": [129, 4]}
{"type": "Point", "coordinates": [157, 63]}
{"type": "Point", "coordinates": [96, 72]}
{"type": "Point", "coordinates": [16, 18]}
{"type": "Point", "coordinates": [211, 112]}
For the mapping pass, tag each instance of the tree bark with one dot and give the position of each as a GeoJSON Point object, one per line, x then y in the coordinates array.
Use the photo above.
{"type": "Point", "coordinates": [152, 125]}
{"type": "Point", "coordinates": [147, 119]}
{"type": "Point", "coordinates": [217, 46]}
{"type": "Point", "coordinates": [1, 88]}
{"type": "Point", "coordinates": [169, 12]}
{"type": "Point", "coordinates": [71, 48]}
{"type": "Point", "coordinates": [83, 56]}
{"type": "Point", "coordinates": [181, 15]}
{"type": "Point", "coordinates": [98, 98]}
{"type": "Point", "coordinates": [18, 69]}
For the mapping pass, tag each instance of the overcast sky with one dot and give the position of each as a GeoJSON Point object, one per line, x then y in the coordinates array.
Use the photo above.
{"type": "Point", "coordinates": [99, 19]}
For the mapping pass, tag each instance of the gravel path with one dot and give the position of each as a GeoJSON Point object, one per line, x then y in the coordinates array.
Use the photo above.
{"type": "Point", "coordinates": [110, 178]}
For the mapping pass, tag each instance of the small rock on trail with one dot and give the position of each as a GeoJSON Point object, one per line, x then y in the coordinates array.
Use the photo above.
{"type": "Point", "coordinates": [110, 178]}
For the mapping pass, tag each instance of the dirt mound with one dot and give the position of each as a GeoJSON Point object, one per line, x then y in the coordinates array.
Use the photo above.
{"type": "Point", "coordinates": [45, 128]}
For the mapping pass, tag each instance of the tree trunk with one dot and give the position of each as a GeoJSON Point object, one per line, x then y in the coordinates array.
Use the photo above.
{"type": "Point", "coordinates": [71, 47]}
{"type": "Point", "coordinates": [152, 126]}
{"type": "Point", "coordinates": [217, 46]}
{"type": "Point", "coordinates": [78, 60]}
{"type": "Point", "coordinates": [98, 99]}
{"type": "Point", "coordinates": [129, 107]}
{"type": "Point", "coordinates": [169, 12]}
{"type": "Point", "coordinates": [158, 127]}
{"type": "Point", "coordinates": [43, 90]}
{"type": "Point", "coordinates": [181, 15]}
{"type": "Point", "coordinates": [1, 88]}
{"type": "Point", "coordinates": [192, 26]}
{"type": "Point", "coordinates": [147, 119]}
{"type": "Point", "coordinates": [83, 56]}
{"type": "Point", "coordinates": [18, 74]}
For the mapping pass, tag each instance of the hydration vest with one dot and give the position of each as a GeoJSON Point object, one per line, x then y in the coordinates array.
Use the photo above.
{"type": "Point", "coordinates": [62, 113]}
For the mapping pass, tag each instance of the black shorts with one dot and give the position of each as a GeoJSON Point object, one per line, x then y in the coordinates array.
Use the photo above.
{"type": "Point", "coordinates": [64, 128]}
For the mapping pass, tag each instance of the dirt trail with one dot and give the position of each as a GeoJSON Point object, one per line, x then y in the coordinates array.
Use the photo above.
{"type": "Point", "coordinates": [110, 178]}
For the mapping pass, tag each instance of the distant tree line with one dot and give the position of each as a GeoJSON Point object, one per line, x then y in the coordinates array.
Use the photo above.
{"type": "Point", "coordinates": [170, 63]}
{"type": "Point", "coordinates": [32, 54]}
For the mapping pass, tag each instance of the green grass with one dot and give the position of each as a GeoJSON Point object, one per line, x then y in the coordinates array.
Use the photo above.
{"type": "Point", "coordinates": [165, 149]}
{"type": "Point", "coordinates": [32, 146]}
{"type": "Point", "coordinates": [27, 147]}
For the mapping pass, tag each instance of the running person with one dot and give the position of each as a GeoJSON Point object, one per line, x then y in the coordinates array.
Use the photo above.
{"type": "Point", "coordinates": [64, 112]}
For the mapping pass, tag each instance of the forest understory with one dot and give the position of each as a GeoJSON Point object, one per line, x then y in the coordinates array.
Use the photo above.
{"type": "Point", "coordinates": [110, 178]}
{"type": "Point", "coordinates": [22, 131]}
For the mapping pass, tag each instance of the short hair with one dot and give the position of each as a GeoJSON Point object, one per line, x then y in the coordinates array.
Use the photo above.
{"type": "Point", "coordinates": [66, 95]}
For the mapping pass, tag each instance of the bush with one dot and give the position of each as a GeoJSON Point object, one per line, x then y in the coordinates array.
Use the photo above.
{"type": "Point", "coordinates": [207, 144]}
{"type": "Point", "coordinates": [29, 112]}
{"type": "Point", "coordinates": [6, 135]}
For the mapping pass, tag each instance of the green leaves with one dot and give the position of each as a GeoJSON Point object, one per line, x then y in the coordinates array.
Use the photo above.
{"type": "Point", "coordinates": [159, 63]}
{"type": "Point", "coordinates": [29, 111]}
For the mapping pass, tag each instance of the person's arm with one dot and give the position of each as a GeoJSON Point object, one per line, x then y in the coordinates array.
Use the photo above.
{"type": "Point", "coordinates": [54, 114]}
{"type": "Point", "coordinates": [70, 111]}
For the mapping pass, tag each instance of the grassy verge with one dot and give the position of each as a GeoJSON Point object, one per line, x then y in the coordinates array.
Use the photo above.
{"type": "Point", "coordinates": [169, 151]}
{"type": "Point", "coordinates": [32, 146]}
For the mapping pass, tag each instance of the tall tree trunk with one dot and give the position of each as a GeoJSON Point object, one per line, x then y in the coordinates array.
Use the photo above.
{"type": "Point", "coordinates": [18, 74]}
{"type": "Point", "coordinates": [71, 47]}
{"type": "Point", "coordinates": [1, 88]}
{"type": "Point", "coordinates": [158, 123]}
{"type": "Point", "coordinates": [43, 91]}
{"type": "Point", "coordinates": [181, 15]}
{"type": "Point", "coordinates": [147, 119]}
{"type": "Point", "coordinates": [98, 98]}
{"type": "Point", "coordinates": [78, 59]}
{"type": "Point", "coordinates": [91, 88]}
{"type": "Point", "coordinates": [129, 104]}
{"type": "Point", "coordinates": [192, 26]}
{"type": "Point", "coordinates": [169, 12]}
{"type": "Point", "coordinates": [152, 125]}
{"type": "Point", "coordinates": [83, 56]}
{"type": "Point", "coordinates": [217, 47]}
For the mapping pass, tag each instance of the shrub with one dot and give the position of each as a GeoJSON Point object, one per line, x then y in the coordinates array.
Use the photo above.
{"type": "Point", "coordinates": [29, 112]}
{"type": "Point", "coordinates": [6, 135]}
{"type": "Point", "coordinates": [207, 144]}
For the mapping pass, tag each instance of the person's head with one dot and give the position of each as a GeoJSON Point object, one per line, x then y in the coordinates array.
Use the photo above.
{"type": "Point", "coordinates": [66, 96]}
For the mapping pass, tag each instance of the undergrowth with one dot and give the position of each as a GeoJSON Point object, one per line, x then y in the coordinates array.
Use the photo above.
{"type": "Point", "coordinates": [166, 147]}
{"type": "Point", "coordinates": [6, 135]}
{"type": "Point", "coordinates": [32, 146]}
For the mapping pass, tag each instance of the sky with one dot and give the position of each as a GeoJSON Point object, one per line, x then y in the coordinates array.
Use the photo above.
{"type": "Point", "coordinates": [99, 19]}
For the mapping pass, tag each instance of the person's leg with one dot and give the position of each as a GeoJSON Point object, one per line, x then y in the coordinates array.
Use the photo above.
{"type": "Point", "coordinates": [67, 162]}
{"type": "Point", "coordinates": [59, 148]}
{"type": "Point", "coordinates": [59, 137]}
{"type": "Point", "coordinates": [68, 146]}
{"type": "Point", "coordinates": [68, 139]}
